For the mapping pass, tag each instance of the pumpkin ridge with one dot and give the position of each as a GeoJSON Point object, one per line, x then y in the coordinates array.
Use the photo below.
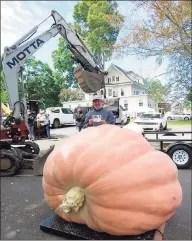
{"type": "Point", "coordinates": [48, 186]}
{"type": "Point", "coordinates": [113, 171]}
{"type": "Point", "coordinates": [152, 211]}
{"type": "Point", "coordinates": [90, 145]}
{"type": "Point", "coordinates": [91, 216]}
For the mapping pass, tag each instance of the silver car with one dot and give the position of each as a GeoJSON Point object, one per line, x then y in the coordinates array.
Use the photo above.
{"type": "Point", "coordinates": [177, 116]}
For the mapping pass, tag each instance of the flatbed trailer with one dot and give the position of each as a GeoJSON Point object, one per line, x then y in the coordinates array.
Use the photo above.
{"type": "Point", "coordinates": [178, 147]}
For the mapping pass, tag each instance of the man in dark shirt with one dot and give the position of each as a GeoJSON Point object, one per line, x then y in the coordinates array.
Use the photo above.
{"type": "Point", "coordinates": [31, 122]}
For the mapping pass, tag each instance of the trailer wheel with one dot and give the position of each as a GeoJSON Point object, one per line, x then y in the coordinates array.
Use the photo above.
{"type": "Point", "coordinates": [181, 155]}
{"type": "Point", "coordinates": [11, 162]}
{"type": "Point", "coordinates": [31, 147]}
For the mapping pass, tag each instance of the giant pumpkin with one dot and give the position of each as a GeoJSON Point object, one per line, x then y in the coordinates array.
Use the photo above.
{"type": "Point", "coordinates": [112, 180]}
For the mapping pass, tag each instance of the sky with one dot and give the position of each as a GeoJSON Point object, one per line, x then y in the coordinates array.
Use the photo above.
{"type": "Point", "coordinates": [18, 17]}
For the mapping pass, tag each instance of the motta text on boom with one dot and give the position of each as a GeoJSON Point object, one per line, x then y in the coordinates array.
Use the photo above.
{"type": "Point", "coordinates": [24, 53]}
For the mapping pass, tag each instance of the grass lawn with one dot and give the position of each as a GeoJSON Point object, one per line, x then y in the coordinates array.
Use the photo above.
{"type": "Point", "coordinates": [175, 122]}
{"type": "Point", "coordinates": [179, 122]}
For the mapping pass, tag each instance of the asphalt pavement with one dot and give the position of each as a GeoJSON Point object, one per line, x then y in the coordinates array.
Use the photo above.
{"type": "Point", "coordinates": [23, 207]}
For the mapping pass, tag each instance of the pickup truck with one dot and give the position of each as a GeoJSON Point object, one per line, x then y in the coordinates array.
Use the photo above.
{"type": "Point", "coordinates": [152, 121]}
{"type": "Point", "coordinates": [60, 116]}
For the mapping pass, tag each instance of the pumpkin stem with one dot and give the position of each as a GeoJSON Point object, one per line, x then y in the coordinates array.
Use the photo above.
{"type": "Point", "coordinates": [74, 199]}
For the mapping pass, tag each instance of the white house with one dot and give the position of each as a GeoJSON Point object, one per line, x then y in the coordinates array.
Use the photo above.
{"type": "Point", "coordinates": [125, 85]}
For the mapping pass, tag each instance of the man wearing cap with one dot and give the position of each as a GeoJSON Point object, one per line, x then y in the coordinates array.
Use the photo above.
{"type": "Point", "coordinates": [98, 115]}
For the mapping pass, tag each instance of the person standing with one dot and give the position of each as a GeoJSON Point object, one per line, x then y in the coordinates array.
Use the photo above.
{"type": "Point", "coordinates": [99, 115]}
{"type": "Point", "coordinates": [80, 118]}
{"type": "Point", "coordinates": [31, 123]}
{"type": "Point", "coordinates": [43, 119]}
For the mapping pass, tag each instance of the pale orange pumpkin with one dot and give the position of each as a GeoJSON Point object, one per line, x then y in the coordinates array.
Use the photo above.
{"type": "Point", "coordinates": [112, 180]}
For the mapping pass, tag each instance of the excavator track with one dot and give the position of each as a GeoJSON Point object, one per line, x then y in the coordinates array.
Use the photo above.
{"type": "Point", "coordinates": [11, 162]}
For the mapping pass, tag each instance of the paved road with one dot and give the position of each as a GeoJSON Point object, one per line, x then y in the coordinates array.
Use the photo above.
{"type": "Point", "coordinates": [23, 209]}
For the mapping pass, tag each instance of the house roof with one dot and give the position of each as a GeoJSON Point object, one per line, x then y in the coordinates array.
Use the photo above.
{"type": "Point", "coordinates": [133, 77]}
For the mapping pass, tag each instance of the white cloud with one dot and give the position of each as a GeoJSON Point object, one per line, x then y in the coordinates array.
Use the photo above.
{"type": "Point", "coordinates": [16, 20]}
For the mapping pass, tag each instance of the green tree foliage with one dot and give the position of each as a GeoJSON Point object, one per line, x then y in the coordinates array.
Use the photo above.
{"type": "Point", "coordinates": [4, 96]}
{"type": "Point", "coordinates": [189, 96]}
{"type": "Point", "coordinates": [71, 94]}
{"type": "Point", "coordinates": [64, 65]}
{"type": "Point", "coordinates": [40, 83]}
{"type": "Point", "coordinates": [156, 90]}
{"type": "Point", "coordinates": [99, 23]}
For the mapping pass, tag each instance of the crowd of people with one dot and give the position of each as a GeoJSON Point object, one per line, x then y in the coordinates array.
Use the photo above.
{"type": "Point", "coordinates": [39, 121]}
{"type": "Point", "coordinates": [85, 118]}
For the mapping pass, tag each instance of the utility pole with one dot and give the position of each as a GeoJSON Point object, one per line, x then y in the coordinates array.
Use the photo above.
{"type": "Point", "coordinates": [103, 63]}
{"type": "Point", "coordinates": [24, 98]}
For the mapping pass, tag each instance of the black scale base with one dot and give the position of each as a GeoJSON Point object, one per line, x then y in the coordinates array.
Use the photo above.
{"type": "Point", "coordinates": [68, 230]}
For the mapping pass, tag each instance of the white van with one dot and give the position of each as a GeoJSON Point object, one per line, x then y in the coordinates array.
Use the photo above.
{"type": "Point", "coordinates": [60, 116]}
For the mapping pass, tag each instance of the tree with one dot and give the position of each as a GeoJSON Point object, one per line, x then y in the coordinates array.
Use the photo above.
{"type": "Point", "coordinates": [156, 90]}
{"type": "Point", "coordinates": [4, 96]}
{"type": "Point", "coordinates": [99, 31]}
{"type": "Point", "coordinates": [40, 83]}
{"type": "Point", "coordinates": [71, 94]}
{"type": "Point", "coordinates": [180, 73]}
{"type": "Point", "coordinates": [189, 96]}
{"type": "Point", "coordinates": [99, 23]}
{"type": "Point", "coordinates": [64, 65]}
{"type": "Point", "coordinates": [167, 30]}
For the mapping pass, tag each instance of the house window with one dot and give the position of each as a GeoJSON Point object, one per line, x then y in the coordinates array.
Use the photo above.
{"type": "Point", "coordinates": [126, 104]}
{"type": "Point", "coordinates": [117, 78]}
{"type": "Point", "coordinates": [140, 102]}
{"type": "Point", "coordinates": [109, 92]}
{"type": "Point", "coordinates": [113, 78]}
{"type": "Point", "coordinates": [122, 92]}
{"type": "Point", "coordinates": [113, 93]}
{"type": "Point", "coordinates": [108, 80]}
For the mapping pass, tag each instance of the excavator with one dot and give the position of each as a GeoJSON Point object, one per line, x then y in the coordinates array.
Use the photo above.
{"type": "Point", "coordinates": [16, 150]}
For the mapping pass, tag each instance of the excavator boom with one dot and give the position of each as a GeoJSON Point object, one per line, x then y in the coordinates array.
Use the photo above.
{"type": "Point", "coordinates": [88, 73]}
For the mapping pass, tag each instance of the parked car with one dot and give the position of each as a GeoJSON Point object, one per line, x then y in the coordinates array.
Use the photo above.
{"type": "Point", "coordinates": [177, 116]}
{"type": "Point", "coordinates": [60, 116]}
{"type": "Point", "coordinates": [152, 121]}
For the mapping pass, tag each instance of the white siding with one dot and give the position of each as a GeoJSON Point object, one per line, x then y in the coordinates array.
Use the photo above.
{"type": "Point", "coordinates": [137, 90]}
{"type": "Point", "coordinates": [113, 73]}
{"type": "Point", "coordinates": [135, 104]}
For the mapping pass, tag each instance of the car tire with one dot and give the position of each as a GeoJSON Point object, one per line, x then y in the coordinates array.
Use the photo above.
{"type": "Point", "coordinates": [169, 118]}
{"type": "Point", "coordinates": [181, 155]}
{"type": "Point", "coordinates": [56, 123]}
{"type": "Point", "coordinates": [186, 118]}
